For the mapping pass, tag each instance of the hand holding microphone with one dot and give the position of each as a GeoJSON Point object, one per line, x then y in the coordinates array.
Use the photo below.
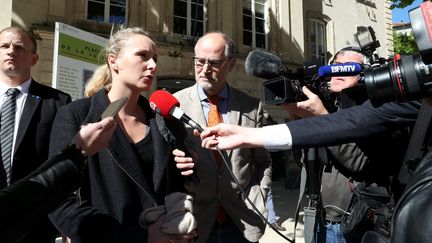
{"type": "Point", "coordinates": [166, 105]}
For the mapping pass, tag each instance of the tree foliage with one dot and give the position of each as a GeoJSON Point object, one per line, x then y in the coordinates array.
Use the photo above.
{"type": "Point", "coordinates": [404, 43]}
{"type": "Point", "coordinates": [400, 3]}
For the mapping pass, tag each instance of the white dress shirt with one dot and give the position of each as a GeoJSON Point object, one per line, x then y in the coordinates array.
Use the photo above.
{"type": "Point", "coordinates": [277, 137]}
{"type": "Point", "coordinates": [20, 101]}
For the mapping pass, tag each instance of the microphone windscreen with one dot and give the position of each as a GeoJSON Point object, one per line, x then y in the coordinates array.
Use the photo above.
{"type": "Point", "coordinates": [342, 69]}
{"type": "Point", "coordinates": [263, 64]}
{"type": "Point", "coordinates": [162, 102]}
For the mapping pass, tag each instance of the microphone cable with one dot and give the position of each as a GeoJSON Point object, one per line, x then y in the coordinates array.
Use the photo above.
{"type": "Point", "coordinates": [250, 202]}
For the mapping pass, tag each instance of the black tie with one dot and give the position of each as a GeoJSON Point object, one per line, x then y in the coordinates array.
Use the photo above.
{"type": "Point", "coordinates": [7, 132]}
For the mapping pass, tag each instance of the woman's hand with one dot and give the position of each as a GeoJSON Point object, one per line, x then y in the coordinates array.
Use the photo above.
{"type": "Point", "coordinates": [183, 163]}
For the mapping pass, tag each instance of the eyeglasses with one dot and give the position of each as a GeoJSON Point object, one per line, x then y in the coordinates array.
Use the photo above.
{"type": "Point", "coordinates": [200, 62]}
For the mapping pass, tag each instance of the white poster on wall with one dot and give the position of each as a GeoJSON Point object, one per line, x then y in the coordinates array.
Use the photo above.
{"type": "Point", "coordinates": [76, 57]}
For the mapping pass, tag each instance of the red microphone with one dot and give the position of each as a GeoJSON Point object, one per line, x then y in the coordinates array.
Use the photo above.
{"type": "Point", "coordinates": [166, 105]}
{"type": "Point", "coordinates": [162, 102]}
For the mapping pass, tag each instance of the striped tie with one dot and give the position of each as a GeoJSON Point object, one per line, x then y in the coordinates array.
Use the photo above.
{"type": "Point", "coordinates": [6, 133]}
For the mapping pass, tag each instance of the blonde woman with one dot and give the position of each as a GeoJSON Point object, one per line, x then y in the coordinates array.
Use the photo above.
{"type": "Point", "coordinates": [137, 170]}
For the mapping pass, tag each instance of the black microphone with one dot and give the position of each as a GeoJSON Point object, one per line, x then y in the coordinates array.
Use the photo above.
{"type": "Point", "coordinates": [165, 104]}
{"type": "Point", "coordinates": [263, 64]}
{"type": "Point", "coordinates": [175, 133]}
{"type": "Point", "coordinates": [267, 65]}
{"type": "Point", "coordinates": [179, 114]}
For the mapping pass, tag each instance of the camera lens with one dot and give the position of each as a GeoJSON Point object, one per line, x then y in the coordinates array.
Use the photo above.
{"type": "Point", "coordinates": [281, 90]}
{"type": "Point", "coordinates": [404, 78]}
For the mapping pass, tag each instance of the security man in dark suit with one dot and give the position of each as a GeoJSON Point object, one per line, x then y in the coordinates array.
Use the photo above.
{"type": "Point", "coordinates": [27, 113]}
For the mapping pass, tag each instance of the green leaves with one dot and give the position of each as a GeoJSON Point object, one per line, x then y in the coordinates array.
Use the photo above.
{"type": "Point", "coordinates": [404, 43]}
{"type": "Point", "coordinates": [400, 3]}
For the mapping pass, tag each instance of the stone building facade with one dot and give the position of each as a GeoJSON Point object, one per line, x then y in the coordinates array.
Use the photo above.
{"type": "Point", "coordinates": [295, 30]}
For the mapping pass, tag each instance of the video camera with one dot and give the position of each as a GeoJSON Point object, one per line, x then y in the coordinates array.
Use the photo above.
{"type": "Point", "coordinates": [406, 77]}
{"type": "Point", "coordinates": [401, 77]}
{"type": "Point", "coordinates": [284, 85]}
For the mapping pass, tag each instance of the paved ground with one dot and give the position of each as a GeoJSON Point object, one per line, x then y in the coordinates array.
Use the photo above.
{"type": "Point", "coordinates": [285, 203]}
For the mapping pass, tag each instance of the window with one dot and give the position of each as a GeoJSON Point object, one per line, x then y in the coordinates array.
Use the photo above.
{"type": "Point", "coordinates": [254, 31]}
{"type": "Point", "coordinates": [107, 11]}
{"type": "Point", "coordinates": [189, 17]}
{"type": "Point", "coordinates": [317, 41]}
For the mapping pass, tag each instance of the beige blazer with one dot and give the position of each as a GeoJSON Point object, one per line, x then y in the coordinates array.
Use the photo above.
{"type": "Point", "coordinates": [251, 167]}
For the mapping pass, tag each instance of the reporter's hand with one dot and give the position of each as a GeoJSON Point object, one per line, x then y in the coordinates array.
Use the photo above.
{"type": "Point", "coordinates": [155, 234]}
{"type": "Point", "coordinates": [94, 137]}
{"type": "Point", "coordinates": [313, 106]}
{"type": "Point", "coordinates": [228, 136]}
{"type": "Point", "coordinates": [185, 164]}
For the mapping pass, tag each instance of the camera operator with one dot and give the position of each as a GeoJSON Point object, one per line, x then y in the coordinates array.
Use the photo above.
{"type": "Point", "coordinates": [345, 166]}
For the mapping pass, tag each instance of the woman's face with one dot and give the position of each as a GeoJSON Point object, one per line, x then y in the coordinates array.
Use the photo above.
{"type": "Point", "coordinates": [135, 64]}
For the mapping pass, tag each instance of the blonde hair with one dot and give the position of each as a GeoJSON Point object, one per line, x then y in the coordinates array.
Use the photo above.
{"type": "Point", "coordinates": [101, 78]}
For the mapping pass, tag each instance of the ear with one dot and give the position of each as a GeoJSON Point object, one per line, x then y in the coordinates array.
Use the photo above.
{"type": "Point", "coordinates": [232, 64]}
{"type": "Point", "coordinates": [35, 59]}
{"type": "Point", "coordinates": [112, 61]}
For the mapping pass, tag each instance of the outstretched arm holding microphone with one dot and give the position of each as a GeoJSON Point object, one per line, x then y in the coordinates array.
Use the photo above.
{"type": "Point", "coordinates": [26, 202]}
{"type": "Point", "coordinates": [340, 127]}
{"type": "Point", "coordinates": [228, 136]}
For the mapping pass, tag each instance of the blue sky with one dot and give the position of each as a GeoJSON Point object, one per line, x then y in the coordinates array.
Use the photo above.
{"type": "Point", "coordinates": [401, 15]}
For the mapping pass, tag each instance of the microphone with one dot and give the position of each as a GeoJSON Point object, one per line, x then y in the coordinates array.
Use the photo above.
{"type": "Point", "coordinates": [263, 64]}
{"type": "Point", "coordinates": [165, 104]}
{"type": "Point", "coordinates": [342, 69]}
{"type": "Point", "coordinates": [267, 65]}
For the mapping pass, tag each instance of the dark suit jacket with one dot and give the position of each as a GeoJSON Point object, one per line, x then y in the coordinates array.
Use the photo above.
{"type": "Point", "coordinates": [27, 202]}
{"type": "Point", "coordinates": [413, 208]}
{"type": "Point", "coordinates": [353, 124]}
{"type": "Point", "coordinates": [412, 214]}
{"type": "Point", "coordinates": [111, 201]}
{"type": "Point", "coordinates": [31, 146]}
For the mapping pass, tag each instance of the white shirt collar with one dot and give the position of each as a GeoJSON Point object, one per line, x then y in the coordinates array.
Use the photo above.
{"type": "Point", "coordinates": [24, 87]}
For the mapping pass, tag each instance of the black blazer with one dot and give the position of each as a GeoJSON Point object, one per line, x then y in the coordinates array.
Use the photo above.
{"type": "Point", "coordinates": [111, 201]}
{"type": "Point", "coordinates": [31, 146]}
{"type": "Point", "coordinates": [353, 124]}
{"type": "Point", "coordinates": [412, 214]}
{"type": "Point", "coordinates": [27, 202]}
